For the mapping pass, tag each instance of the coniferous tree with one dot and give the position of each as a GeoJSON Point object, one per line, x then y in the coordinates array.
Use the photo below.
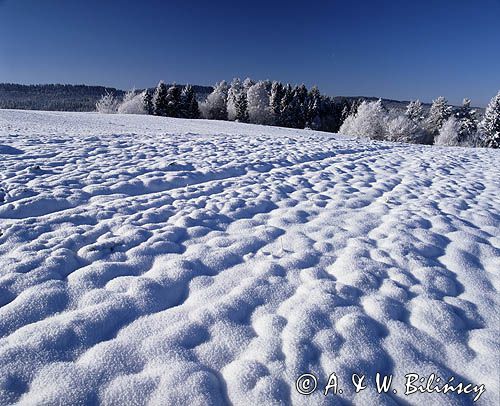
{"type": "Point", "coordinates": [174, 101]}
{"type": "Point", "coordinates": [242, 108]}
{"type": "Point", "coordinates": [189, 104]}
{"type": "Point", "coordinates": [277, 93]}
{"type": "Point", "coordinates": [300, 106]}
{"type": "Point", "coordinates": [491, 123]}
{"type": "Point", "coordinates": [467, 121]}
{"type": "Point", "coordinates": [147, 101]}
{"type": "Point", "coordinates": [286, 113]}
{"type": "Point", "coordinates": [248, 83]}
{"type": "Point", "coordinates": [233, 96]}
{"type": "Point", "coordinates": [313, 109]}
{"type": "Point", "coordinates": [160, 101]}
{"type": "Point", "coordinates": [440, 112]}
{"type": "Point", "coordinates": [415, 111]}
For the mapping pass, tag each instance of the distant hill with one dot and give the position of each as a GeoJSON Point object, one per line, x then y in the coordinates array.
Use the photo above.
{"type": "Point", "coordinates": [83, 98]}
{"type": "Point", "coordinates": [62, 97]}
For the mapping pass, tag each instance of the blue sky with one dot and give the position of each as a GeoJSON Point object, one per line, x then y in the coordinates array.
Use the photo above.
{"type": "Point", "coordinates": [395, 49]}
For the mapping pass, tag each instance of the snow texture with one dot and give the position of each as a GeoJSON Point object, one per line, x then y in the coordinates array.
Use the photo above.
{"type": "Point", "coordinates": [189, 262]}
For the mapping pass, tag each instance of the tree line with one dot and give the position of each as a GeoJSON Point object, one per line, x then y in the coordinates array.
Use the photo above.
{"type": "Point", "coordinates": [275, 103]}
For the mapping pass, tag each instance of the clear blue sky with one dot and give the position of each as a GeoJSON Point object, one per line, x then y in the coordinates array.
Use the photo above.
{"type": "Point", "coordinates": [396, 49]}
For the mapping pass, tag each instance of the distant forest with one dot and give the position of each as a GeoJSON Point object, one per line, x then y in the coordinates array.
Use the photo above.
{"type": "Point", "coordinates": [63, 97]}
{"type": "Point", "coordinates": [83, 98]}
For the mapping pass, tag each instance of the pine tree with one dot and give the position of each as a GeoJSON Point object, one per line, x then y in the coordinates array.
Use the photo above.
{"type": "Point", "coordinates": [248, 83]}
{"type": "Point", "coordinates": [313, 109]}
{"type": "Point", "coordinates": [491, 123]}
{"type": "Point", "coordinates": [286, 108]}
{"type": "Point", "coordinates": [242, 108]}
{"type": "Point", "coordinates": [174, 101]}
{"type": "Point", "coordinates": [300, 106]}
{"type": "Point", "coordinates": [415, 111]}
{"type": "Point", "coordinates": [147, 101]}
{"type": "Point", "coordinates": [440, 112]}
{"type": "Point", "coordinates": [467, 121]}
{"type": "Point", "coordinates": [160, 101]}
{"type": "Point", "coordinates": [277, 93]}
{"type": "Point", "coordinates": [233, 95]}
{"type": "Point", "coordinates": [189, 104]}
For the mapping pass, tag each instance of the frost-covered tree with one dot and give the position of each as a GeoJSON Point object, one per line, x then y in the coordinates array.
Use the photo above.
{"type": "Point", "coordinates": [242, 108]}
{"type": "Point", "coordinates": [258, 103]}
{"type": "Point", "coordinates": [248, 83]}
{"type": "Point", "coordinates": [287, 112]}
{"type": "Point", "coordinates": [313, 109]}
{"type": "Point", "coordinates": [449, 134]}
{"type": "Point", "coordinates": [299, 104]}
{"type": "Point", "coordinates": [467, 120]}
{"type": "Point", "coordinates": [132, 103]}
{"type": "Point", "coordinates": [368, 122]}
{"type": "Point", "coordinates": [107, 104]}
{"type": "Point", "coordinates": [415, 111]}
{"type": "Point", "coordinates": [233, 95]}
{"type": "Point", "coordinates": [160, 101]}
{"type": "Point", "coordinates": [174, 101]}
{"type": "Point", "coordinates": [189, 105]}
{"type": "Point", "coordinates": [215, 107]}
{"type": "Point", "coordinates": [490, 125]}
{"type": "Point", "coordinates": [440, 112]}
{"type": "Point", "coordinates": [275, 98]}
{"type": "Point", "coordinates": [400, 128]}
{"type": "Point", "coordinates": [147, 102]}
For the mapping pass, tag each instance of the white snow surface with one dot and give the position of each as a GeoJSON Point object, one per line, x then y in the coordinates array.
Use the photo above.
{"type": "Point", "coordinates": [146, 260]}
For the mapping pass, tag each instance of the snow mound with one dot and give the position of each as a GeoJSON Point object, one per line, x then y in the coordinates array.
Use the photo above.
{"type": "Point", "coordinates": [166, 261]}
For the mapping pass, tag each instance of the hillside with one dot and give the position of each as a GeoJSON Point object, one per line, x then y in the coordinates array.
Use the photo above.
{"type": "Point", "coordinates": [193, 262]}
{"type": "Point", "coordinates": [83, 98]}
{"type": "Point", "coordinates": [61, 97]}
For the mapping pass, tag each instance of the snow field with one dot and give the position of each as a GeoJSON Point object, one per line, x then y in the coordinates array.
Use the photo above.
{"type": "Point", "coordinates": [167, 261]}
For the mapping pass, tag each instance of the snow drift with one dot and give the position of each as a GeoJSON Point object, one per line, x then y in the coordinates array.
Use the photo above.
{"type": "Point", "coordinates": [167, 261]}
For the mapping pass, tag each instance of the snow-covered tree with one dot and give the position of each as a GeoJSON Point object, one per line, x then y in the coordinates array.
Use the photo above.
{"type": "Point", "coordinates": [467, 120]}
{"type": "Point", "coordinates": [440, 112]}
{"type": "Point", "coordinates": [277, 93]}
{"type": "Point", "coordinates": [189, 104]}
{"type": "Point", "coordinates": [174, 101]}
{"type": "Point", "coordinates": [415, 111]}
{"type": "Point", "coordinates": [132, 103]}
{"type": "Point", "coordinates": [147, 102]}
{"type": "Point", "coordinates": [258, 103]}
{"type": "Point", "coordinates": [248, 83]}
{"type": "Point", "coordinates": [490, 125]}
{"type": "Point", "coordinates": [449, 134]}
{"type": "Point", "coordinates": [368, 122]}
{"type": "Point", "coordinates": [313, 109]}
{"type": "Point", "coordinates": [299, 104]}
{"type": "Point", "coordinates": [160, 101]}
{"type": "Point", "coordinates": [287, 113]}
{"type": "Point", "coordinates": [242, 108]}
{"type": "Point", "coordinates": [107, 104]}
{"type": "Point", "coordinates": [400, 128]}
{"type": "Point", "coordinates": [215, 107]}
{"type": "Point", "coordinates": [233, 95]}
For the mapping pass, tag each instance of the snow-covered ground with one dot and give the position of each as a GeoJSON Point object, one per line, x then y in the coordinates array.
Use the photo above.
{"type": "Point", "coordinates": [146, 259]}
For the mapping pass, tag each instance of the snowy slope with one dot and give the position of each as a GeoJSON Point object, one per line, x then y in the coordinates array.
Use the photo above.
{"type": "Point", "coordinates": [145, 259]}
